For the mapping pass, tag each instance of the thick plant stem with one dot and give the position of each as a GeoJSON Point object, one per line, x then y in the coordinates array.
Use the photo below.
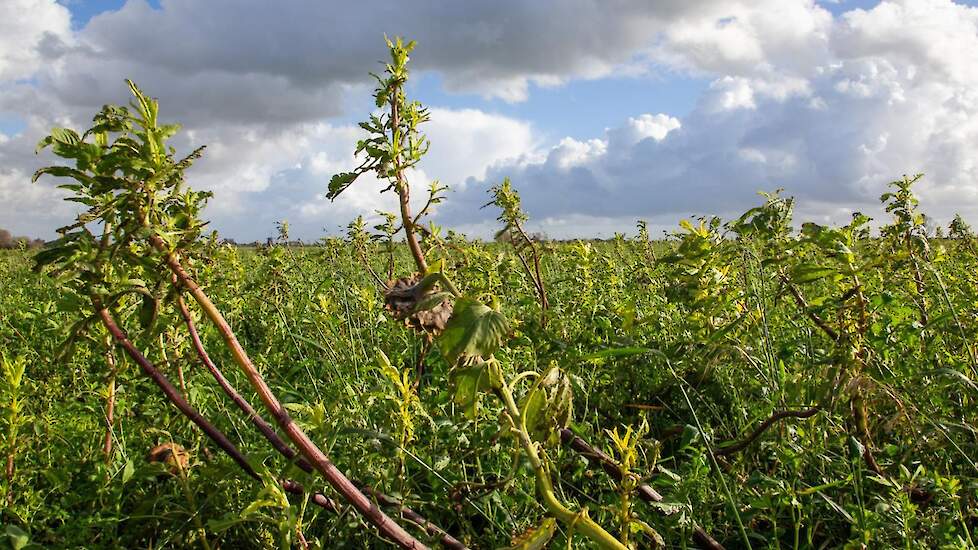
{"type": "Point", "coordinates": [404, 192]}
{"type": "Point", "coordinates": [367, 508]}
{"type": "Point", "coordinates": [578, 521]}
{"type": "Point", "coordinates": [264, 427]}
{"type": "Point", "coordinates": [447, 540]}
{"type": "Point", "coordinates": [288, 452]}
{"type": "Point", "coordinates": [171, 392]}
{"type": "Point", "coordinates": [109, 400]}
{"type": "Point", "coordinates": [209, 429]}
{"type": "Point", "coordinates": [216, 435]}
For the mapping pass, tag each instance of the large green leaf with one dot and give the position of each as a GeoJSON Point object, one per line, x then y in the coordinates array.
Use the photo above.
{"type": "Point", "coordinates": [475, 330]}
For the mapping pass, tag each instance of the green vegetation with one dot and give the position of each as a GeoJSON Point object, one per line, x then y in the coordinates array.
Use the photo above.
{"type": "Point", "coordinates": [744, 382]}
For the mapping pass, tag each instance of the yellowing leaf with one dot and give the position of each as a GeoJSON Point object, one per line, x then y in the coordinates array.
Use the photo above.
{"type": "Point", "coordinates": [535, 539]}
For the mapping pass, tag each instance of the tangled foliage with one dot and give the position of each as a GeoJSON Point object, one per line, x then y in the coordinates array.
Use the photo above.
{"type": "Point", "coordinates": [764, 385]}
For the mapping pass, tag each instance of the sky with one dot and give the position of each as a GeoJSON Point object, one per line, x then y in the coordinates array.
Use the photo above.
{"type": "Point", "coordinates": [601, 112]}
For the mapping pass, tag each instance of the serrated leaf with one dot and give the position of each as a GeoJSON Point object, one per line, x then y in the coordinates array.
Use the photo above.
{"type": "Point", "coordinates": [474, 330]}
{"type": "Point", "coordinates": [339, 182]}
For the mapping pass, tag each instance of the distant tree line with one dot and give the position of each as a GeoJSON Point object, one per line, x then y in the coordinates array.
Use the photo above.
{"type": "Point", "coordinates": [7, 240]}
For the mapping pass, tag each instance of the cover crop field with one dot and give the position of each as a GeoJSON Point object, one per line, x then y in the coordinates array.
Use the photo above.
{"type": "Point", "coordinates": [754, 382]}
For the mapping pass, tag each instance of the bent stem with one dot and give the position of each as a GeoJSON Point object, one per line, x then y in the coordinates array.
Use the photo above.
{"type": "Point", "coordinates": [289, 453]}
{"type": "Point", "coordinates": [403, 187]}
{"type": "Point", "coordinates": [367, 508]}
{"type": "Point", "coordinates": [579, 521]}
{"type": "Point", "coordinates": [171, 392]}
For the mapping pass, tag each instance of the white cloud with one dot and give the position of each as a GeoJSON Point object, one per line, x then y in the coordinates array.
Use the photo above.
{"type": "Point", "coordinates": [285, 177]}
{"type": "Point", "coordinates": [832, 126]}
{"type": "Point", "coordinates": [830, 108]}
{"type": "Point", "coordinates": [26, 28]}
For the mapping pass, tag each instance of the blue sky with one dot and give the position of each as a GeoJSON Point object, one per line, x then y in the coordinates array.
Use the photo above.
{"type": "Point", "coordinates": [83, 10]}
{"type": "Point", "coordinates": [650, 110]}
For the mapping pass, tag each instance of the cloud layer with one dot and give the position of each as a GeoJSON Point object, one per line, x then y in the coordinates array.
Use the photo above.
{"type": "Point", "coordinates": [828, 107]}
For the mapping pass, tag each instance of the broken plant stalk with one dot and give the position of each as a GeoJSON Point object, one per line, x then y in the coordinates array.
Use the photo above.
{"type": "Point", "coordinates": [306, 446]}
{"type": "Point", "coordinates": [288, 452]}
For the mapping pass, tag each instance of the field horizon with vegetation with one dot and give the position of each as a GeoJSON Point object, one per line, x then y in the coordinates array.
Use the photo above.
{"type": "Point", "coordinates": [755, 382]}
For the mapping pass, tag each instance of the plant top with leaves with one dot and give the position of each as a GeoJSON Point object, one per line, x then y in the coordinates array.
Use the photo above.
{"type": "Point", "coordinates": [394, 145]}
{"type": "Point", "coordinates": [133, 186]}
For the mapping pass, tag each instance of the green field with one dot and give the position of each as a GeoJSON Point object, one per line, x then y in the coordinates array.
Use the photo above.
{"type": "Point", "coordinates": [702, 349]}
{"type": "Point", "coordinates": [753, 382]}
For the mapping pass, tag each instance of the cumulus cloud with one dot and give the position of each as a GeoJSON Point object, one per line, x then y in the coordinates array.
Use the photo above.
{"type": "Point", "coordinates": [286, 177]}
{"type": "Point", "coordinates": [27, 28]}
{"type": "Point", "coordinates": [863, 108]}
{"type": "Point", "coordinates": [829, 107]}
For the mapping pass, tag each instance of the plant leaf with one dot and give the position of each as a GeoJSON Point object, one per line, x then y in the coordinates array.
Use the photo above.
{"type": "Point", "coordinates": [475, 330]}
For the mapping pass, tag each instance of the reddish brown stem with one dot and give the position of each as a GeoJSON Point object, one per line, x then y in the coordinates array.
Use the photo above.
{"type": "Point", "coordinates": [171, 392]}
{"type": "Point", "coordinates": [447, 540]}
{"type": "Point", "coordinates": [263, 426]}
{"type": "Point", "coordinates": [287, 451]}
{"type": "Point", "coordinates": [535, 274]}
{"type": "Point", "coordinates": [404, 196]}
{"type": "Point", "coordinates": [305, 445]}
{"type": "Point", "coordinates": [803, 305]}
{"type": "Point", "coordinates": [174, 396]}
{"type": "Point", "coordinates": [109, 402]}
{"type": "Point", "coordinates": [731, 449]}
{"type": "Point", "coordinates": [645, 492]}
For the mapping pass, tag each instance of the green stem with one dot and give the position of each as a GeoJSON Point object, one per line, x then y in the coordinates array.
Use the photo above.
{"type": "Point", "coordinates": [578, 521]}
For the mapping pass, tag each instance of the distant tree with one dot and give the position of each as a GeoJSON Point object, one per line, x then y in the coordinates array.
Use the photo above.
{"type": "Point", "coordinates": [7, 240]}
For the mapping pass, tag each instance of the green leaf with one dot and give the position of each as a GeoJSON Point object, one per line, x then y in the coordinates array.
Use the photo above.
{"type": "Point", "coordinates": [339, 182]}
{"type": "Point", "coordinates": [430, 301]}
{"type": "Point", "coordinates": [148, 311]}
{"type": "Point", "coordinates": [807, 273]}
{"type": "Point", "coordinates": [62, 172]}
{"type": "Point", "coordinates": [128, 471]}
{"type": "Point", "coordinates": [469, 383]}
{"type": "Point", "coordinates": [475, 330]}
{"type": "Point", "coordinates": [16, 536]}
{"type": "Point", "coordinates": [533, 409]}
{"type": "Point", "coordinates": [547, 407]}
{"type": "Point", "coordinates": [65, 136]}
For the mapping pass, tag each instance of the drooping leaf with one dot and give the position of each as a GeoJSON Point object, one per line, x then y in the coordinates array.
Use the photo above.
{"type": "Point", "coordinates": [339, 182]}
{"type": "Point", "coordinates": [469, 383]}
{"type": "Point", "coordinates": [149, 311]}
{"type": "Point", "coordinates": [474, 330]}
{"type": "Point", "coordinates": [547, 407]}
